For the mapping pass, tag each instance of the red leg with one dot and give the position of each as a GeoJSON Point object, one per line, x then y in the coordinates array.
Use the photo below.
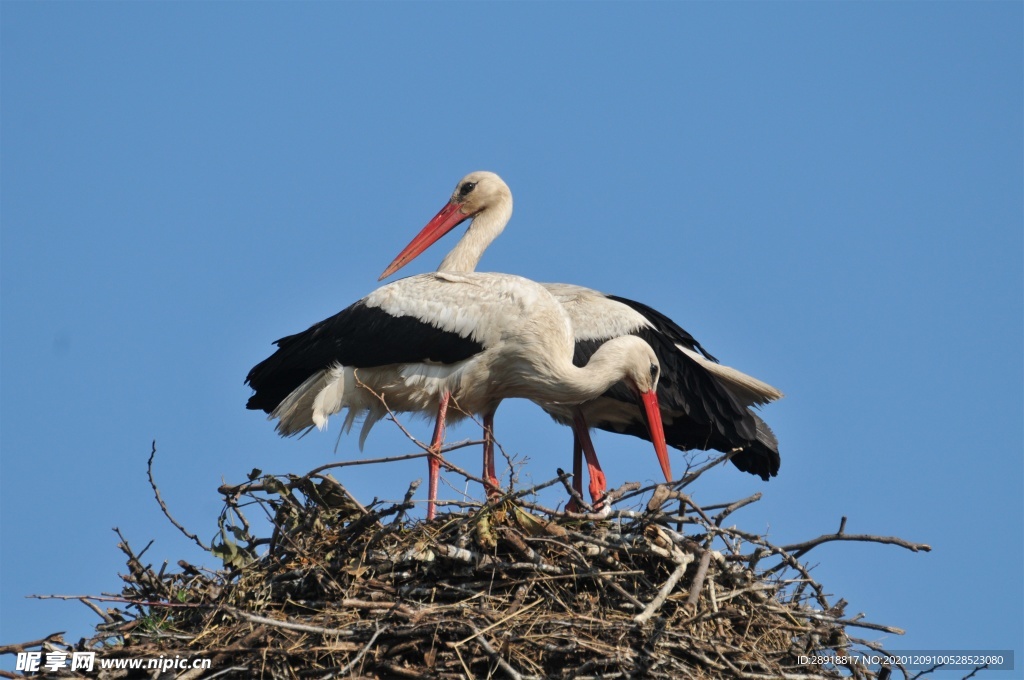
{"type": "Point", "coordinates": [577, 472]}
{"type": "Point", "coordinates": [597, 480]}
{"type": "Point", "coordinates": [493, 486]}
{"type": "Point", "coordinates": [434, 457]}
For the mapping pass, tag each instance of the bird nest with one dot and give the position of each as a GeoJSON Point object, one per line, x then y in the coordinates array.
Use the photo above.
{"type": "Point", "coordinates": [654, 586]}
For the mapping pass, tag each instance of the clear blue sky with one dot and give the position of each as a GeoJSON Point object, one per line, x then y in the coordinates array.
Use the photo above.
{"type": "Point", "coordinates": [828, 196]}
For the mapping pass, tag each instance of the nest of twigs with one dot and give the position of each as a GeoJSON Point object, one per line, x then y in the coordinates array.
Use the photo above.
{"type": "Point", "coordinates": [655, 586]}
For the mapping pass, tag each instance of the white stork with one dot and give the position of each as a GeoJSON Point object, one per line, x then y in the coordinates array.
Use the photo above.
{"type": "Point", "coordinates": [429, 340]}
{"type": "Point", "coordinates": [704, 404]}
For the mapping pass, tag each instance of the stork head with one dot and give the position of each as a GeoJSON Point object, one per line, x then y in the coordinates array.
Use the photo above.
{"type": "Point", "coordinates": [642, 370]}
{"type": "Point", "coordinates": [641, 365]}
{"type": "Point", "coordinates": [476, 195]}
{"type": "Point", "coordinates": [479, 191]}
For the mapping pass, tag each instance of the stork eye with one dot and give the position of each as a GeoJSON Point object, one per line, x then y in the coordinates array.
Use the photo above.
{"type": "Point", "coordinates": [654, 371]}
{"type": "Point", "coordinates": [466, 188]}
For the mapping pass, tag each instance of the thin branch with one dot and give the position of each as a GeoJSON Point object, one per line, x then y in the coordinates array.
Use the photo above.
{"type": "Point", "coordinates": [123, 600]}
{"type": "Point", "coordinates": [482, 641]}
{"type": "Point", "coordinates": [799, 549]}
{"type": "Point", "coordinates": [691, 477]}
{"type": "Point", "coordinates": [682, 561]}
{"type": "Point", "coordinates": [163, 506]}
{"type": "Point", "coordinates": [289, 625]}
{"type": "Point", "coordinates": [359, 657]}
{"type": "Point", "coordinates": [15, 649]}
{"type": "Point", "coordinates": [406, 502]}
{"type": "Point", "coordinates": [733, 507]}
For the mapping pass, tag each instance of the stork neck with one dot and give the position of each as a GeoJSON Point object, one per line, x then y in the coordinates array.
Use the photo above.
{"type": "Point", "coordinates": [606, 367]}
{"type": "Point", "coordinates": [486, 227]}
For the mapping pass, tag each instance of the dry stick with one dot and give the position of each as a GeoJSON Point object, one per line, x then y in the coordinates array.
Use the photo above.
{"type": "Point", "coordinates": [573, 493]}
{"type": "Point", "coordinates": [122, 600]}
{"type": "Point", "coordinates": [609, 499]}
{"type": "Point", "coordinates": [334, 485]}
{"type": "Point", "coordinates": [163, 506]}
{"type": "Point", "coordinates": [617, 588]}
{"type": "Point", "coordinates": [698, 579]}
{"type": "Point", "coordinates": [504, 665]}
{"type": "Point", "coordinates": [799, 549]}
{"type": "Point", "coordinates": [519, 611]}
{"type": "Point", "coordinates": [359, 657]}
{"type": "Point", "coordinates": [24, 646]}
{"type": "Point", "coordinates": [143, 576]}
{"type": "Point", "coordinates": [406, 502]}
{"type": "Point", "coordinates": [481, 560]}
{"type": "Point", "coordinates": [733, 507]}
{"type": "Point", "coordinates": [786, 560]}
{"type": "Point", "coordinates": [246, 487]}
{"type": "Point", "coordinates": [301, 627]}
{"type": "Point", "coordinates": [692, 476]}
{"type": "Point", "coordinates": [700, 511]}
{"type": "Point", "coordinates": [664, 494]}
{"type": "Point", "coordinates": [976, 670]}
{"type": "Point", "coordinates": [401, 672]}
{"type": "Point", "coordinates": [520, 546]}
{"type": "Point", "coordinates": [663, 594]}
{"type": "Point", "coordinates": [107, 618]}
{"type": "Point", "coordinates": [191, 674]}
{"type": "Point", "coordinates": [463, 662]}
{"type": "Point", "coordinates": [226, 671]}
{"type": "Point", "coordinates": [661, 494]}
{"type": "Point", "coordinates": [374, 461]}
{"type": "Point", "coordinates": [87, 601]}
{"type": "Point", "coordinates": [853, 622]}
{"type": "Point", "coordinates": [639, 490]}
{"type": "Point", "coordinates": [405, 611]}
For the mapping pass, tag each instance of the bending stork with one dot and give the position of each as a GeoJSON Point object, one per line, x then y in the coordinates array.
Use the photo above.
{"type": "Point", "coordinates": [704, 404]}
{"type": "Point", "coordinates": [426, 341]}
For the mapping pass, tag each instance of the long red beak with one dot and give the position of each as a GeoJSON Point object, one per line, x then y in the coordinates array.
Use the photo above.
{"type": "Point", "coordinates": [443, 222]}
{"type": "Point", "coordinates": [653, 413]}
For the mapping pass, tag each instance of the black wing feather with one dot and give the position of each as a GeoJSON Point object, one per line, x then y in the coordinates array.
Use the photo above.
{"type": "Point", "coordinates": [361, 336]}
{"type": "Point", "coordinates": [661, 321]}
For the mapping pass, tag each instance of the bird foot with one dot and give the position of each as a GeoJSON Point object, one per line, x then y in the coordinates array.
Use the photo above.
{"type": "Point", "coordinates": [493, 487]}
